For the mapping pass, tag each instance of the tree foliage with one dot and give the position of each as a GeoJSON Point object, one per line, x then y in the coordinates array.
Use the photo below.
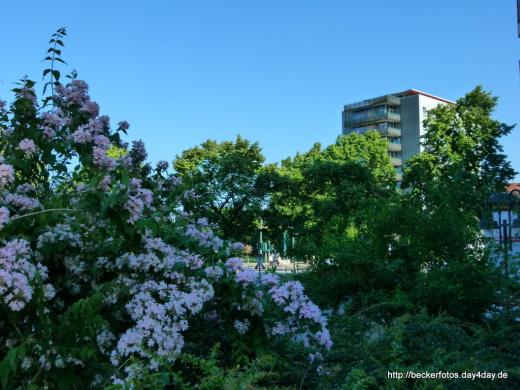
{"type": "Point", "coordinates": [226, 184]}
{"type": "Point", "coordinates": [319, 196]}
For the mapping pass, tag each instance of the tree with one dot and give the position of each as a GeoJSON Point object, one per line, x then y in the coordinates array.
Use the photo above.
{"type": "Point", "coordinates": [463, 157]}
{"type": "Point", "coordinates": [320, 195]}
{"type": "Point", "coordinates": [424, 244]}
{"type": "Point", "coordinates": [225, 184]}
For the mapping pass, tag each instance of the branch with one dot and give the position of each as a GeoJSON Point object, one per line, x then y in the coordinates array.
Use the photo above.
{"type": "Point", "coordinates": [43, 211]}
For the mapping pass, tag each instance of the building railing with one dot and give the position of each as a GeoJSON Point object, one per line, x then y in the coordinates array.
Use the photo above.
{"type": "Point", "coordinates": [357, 119]}
{"type": "Point", "coordinates": [394, 147]}
{"type": "Point", "coordinates": [396, 162]}
{"type": "Point", "coordinates": [387, 99]}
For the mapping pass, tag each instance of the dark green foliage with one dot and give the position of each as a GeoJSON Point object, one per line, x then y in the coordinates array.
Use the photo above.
{"type": "Point", "coordinates": [226, 183]}
{"type": "Point", "coordinates": [319, 196]}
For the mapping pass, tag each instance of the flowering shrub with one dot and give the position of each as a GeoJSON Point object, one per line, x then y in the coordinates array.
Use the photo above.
{"type": "Point", "coordinates": [103, 281]}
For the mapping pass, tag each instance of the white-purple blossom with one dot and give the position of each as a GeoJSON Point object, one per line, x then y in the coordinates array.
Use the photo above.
{"type": "Point", "coordinates": [27, 146]}
{"type": "Point", "coordinates": [17, 273]}
{"type": "Point", "coordinates": [22, 202]}
{"type": "Point", "coordinates": [6, 175]}
{"type": "Point", "coordinates": [235, 264]}
{"type": "Point", "coordinates": [241, 326]}
{"type": "Point", "coordinates": [4, 216]}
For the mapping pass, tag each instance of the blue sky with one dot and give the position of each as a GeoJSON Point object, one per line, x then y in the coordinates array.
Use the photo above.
{"type": "Point", "coordinates": [275, 71]}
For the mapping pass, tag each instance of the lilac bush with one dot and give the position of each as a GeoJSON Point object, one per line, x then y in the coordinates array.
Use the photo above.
{"type": "Point", "coordinates": [103, 279]}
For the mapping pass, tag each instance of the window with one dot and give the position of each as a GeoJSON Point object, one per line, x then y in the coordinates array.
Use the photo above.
{"type": "Point", "coordinates": [424, 111]}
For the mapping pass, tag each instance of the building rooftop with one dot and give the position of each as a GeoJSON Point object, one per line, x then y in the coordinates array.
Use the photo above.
{"type": "Point", "coordinates": [388, 99]}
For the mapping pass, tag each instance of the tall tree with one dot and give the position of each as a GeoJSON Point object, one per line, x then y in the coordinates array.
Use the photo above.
{"type": "Point", "coordinates": [225, 183]}
{"type": "Point", "coordinates": [321, 194]}
{"type": "Point", "coordinates": [463, 157]}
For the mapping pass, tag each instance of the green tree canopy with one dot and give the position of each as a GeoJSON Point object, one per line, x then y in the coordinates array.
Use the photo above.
{"type": "Point", "coordinates": [226, 184]}
{"type": "Point", "coordinates": [463, 157]}
{"type": "Point", "coordinates": [320, 194]}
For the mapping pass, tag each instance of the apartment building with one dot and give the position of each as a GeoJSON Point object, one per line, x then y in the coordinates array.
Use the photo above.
{"type": "Point", "coordinates": [397, 116]}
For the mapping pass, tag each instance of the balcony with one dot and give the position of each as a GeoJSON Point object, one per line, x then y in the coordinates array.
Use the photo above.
{"type": "Point", "coordinates": [391, 132]}
{"type": "Point", "coordinates": [396, 162]}
{"type": "Point", "coordinates": [370, 117]}
{"type": "Point", "coordinates": [394, 147]}
{"type": "Point", "coordinates": [387, 99]}
{"type": "Point", "coordinates": [394, 117]}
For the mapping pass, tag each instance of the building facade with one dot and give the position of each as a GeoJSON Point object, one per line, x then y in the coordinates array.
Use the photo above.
{"type": "Point", "coordinates": [398, 116]}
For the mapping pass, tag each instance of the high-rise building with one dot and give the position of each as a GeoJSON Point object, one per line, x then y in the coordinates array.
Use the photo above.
{"type": "Point", "coordinates": [397, 116]}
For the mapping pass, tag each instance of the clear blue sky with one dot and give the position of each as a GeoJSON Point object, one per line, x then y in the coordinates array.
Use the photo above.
{"type": "Point", "coordinates": [275, 71]}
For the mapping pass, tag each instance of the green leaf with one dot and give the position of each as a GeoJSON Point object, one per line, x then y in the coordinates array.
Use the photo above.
{"type": "Point", "coordinates": [56, 74]}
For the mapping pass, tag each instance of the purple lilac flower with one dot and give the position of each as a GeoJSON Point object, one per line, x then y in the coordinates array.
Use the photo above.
{"type": "Point", "coordinates": [124, 125]}
{"type": "Point", "coordinates": [138, 199]}
{"type": "Point", "coordinates": [17, 273]}
{"type": "Point", "coordinates": [4, 217]}
{"type": "Point", "coordinates": [24, 203]}
{"type": "Point", "coordinates": [245, 277]}
{"type": "Point", "coordinates": [6, 175]}
{"type": "Point", "coordinates": [162, 165]}
{"type": "Point", "coordinates": [241, 326]}
{"type": "Point", "coordinates": [105, 183]}
{"type": "Point", "coordinates": [82, 135]}
{"type": "Point", "coordinates": [27, 146]}
{"type": "Point", "coordinates": [237, 246]}
{"type": "Point", "coordinates": [138, 152]}
{"type": "Point", "coordinates": [235, 264]}
{"type": "Point", "coordinates": [51, 123]}
{"type": "Point", "coordinates": [90, 107]}
{"type": "Point", "coordinates": [101, 159]}
{"type": "Point", "coordinates": [214, 273]}
{"type": "Point", "coordinates": [270, 279]}
{"type": "Point", "coordinates": [76, 92]}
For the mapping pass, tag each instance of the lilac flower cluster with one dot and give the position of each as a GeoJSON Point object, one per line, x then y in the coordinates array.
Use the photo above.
{"type": "Point", "coordinates": [105, 340]}
{"type": "Point", "coordinates": [94, 133]}
{"type": "Point", "coordinates": [22, 202]}
{"type": "Point", "coordinates": [123, 125]}
{"type": "Point", "coordinates": [86, 133]}
{"type": "Point", "coordinates": [17, 273]}
{"type": "Point", "coordinates": [305, 321]}
{"type": "Point", "coordinates": [138, 152]}
{"type": "Point", "coordinates": [51, 123]}
{"type": "Point", "coordinates": [159, 311]}
{"type": "Point", "coordinates": [99, 151]}
{"type": "Point", "coordinates": [59, 233]}
{"type": "Point", "coordinates": [76, 92]}
{"type": "Point", "coordinates": [162, 166]}
{"type": "Point", "coordinates": [237, 247]}
{"type": "Point", "coordinates": [27, 146]}
{"type": "Point", "coordinates": [4, 217]}
{"type": "Point", "coordinates": [204, 235]}
{"type": "Point", "coordinates": [241, 326]}
{"type": "Point", "coordinates": [6, 174]}
{"type": "Point", "coordinates": [246, 276]}
{"type": "Point", "coordinates": [160, 258]}
{"type": "Point", "coordinates": [214, 273]}
{"type": "Point", "coordinates": [90, 107]}
{"type": "Point", "coordinates": [138, 199]}
{"type": "Point", "coordinates": [291, 298]}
